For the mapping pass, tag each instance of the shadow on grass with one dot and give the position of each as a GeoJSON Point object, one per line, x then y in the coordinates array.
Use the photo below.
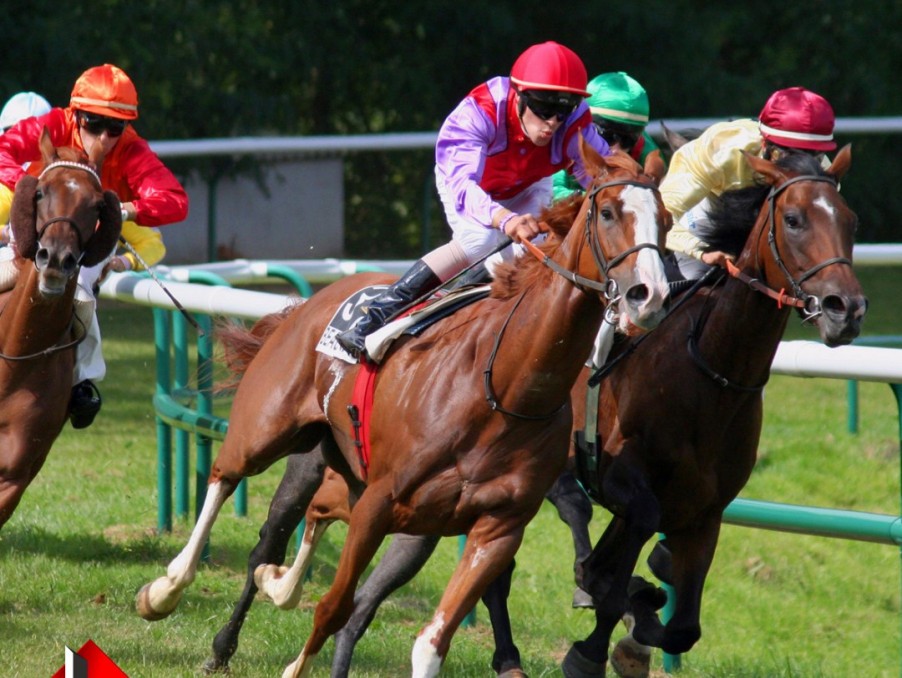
{"type": "Point", "coordinates": [79, 547]}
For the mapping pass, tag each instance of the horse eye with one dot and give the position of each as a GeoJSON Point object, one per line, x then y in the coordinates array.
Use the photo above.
{"type": "Point", "coordinates": [792, 220]}
{"type": "Point", "coordinates": [607, 213]}
{"type": "Point", "coordinates": [38, 194]}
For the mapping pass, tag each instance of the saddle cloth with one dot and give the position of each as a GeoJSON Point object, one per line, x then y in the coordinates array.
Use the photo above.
{"type": "Point", "coordinates": [352, 310]}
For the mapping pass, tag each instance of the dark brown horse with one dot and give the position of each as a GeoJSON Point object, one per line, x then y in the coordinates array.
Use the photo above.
{"type": "Point", "coordinates": [60, 221]}
{"type": "Point", "coordinates": [674, 456]}
{"type": "Point", "coordinates": [445, 461]}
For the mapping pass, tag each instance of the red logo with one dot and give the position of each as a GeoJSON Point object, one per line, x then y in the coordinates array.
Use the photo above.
{"type": "Point", "coordinates": [89, 662]}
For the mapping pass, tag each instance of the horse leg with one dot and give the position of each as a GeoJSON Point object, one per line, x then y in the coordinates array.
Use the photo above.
{"type": "Point", "coordinates": [506, 658]}
{"type": "Point", "coordinates": [404, 557]}
{"type": "Point", "coordinates": [159, 598]}
{"type": "Point", "coordinates": [484, 559]}
{"type": "Point", "coordinates": [303, 474]}
{"type": "Point", "coordinates": [693, 553]}
{"type": "Point", "coordinates": [607, 572]}
{"type": "Point", "coordinates": [18, 467]}
{"type": "Point", "coordinates": [370, 522]}
{"type": "Point", "coordinates": [574, 508]}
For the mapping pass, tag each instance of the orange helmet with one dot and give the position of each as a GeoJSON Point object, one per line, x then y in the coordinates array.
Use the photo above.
{"type": "Point", "coordinates": [105, 90]}
{"type": "Point", "coordinates": [550, 66]}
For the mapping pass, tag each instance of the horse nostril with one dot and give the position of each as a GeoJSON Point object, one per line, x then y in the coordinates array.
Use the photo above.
{"type": "Point", "coordinates": [41, 258]}
{"type": "Point", "coordinates": [637, 294]}
{"type": "Point", "coordinates": [70, 263]}
{"type": "Point", "coordinates": [834, 304]}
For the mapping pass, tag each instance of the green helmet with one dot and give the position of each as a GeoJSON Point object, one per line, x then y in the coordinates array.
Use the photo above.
{"type": "Point", "coordinates": [619, 98]}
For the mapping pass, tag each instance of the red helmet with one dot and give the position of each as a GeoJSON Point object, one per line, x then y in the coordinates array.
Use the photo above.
{"type": "Point", "coordinates": [798, 118]}
{"type": "Point", "coordinates": [550, 66]}
{"type": "Point", "coordinates": [105, 90]}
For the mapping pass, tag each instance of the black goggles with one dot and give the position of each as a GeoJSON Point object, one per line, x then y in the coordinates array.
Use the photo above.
{"type": "Point", "coordinates": [546, 110]}
{"type": "Point", "coordinates": [617, 136]}
{"type": "Point", "coordinates": [97, 124]}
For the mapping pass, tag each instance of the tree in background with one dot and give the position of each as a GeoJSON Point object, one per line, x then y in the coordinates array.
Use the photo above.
{"type": "Point", "coordinates": [221, 68]}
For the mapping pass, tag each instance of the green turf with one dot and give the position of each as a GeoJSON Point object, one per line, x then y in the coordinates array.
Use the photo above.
{"type": "Point", "coordinates": [83, 541]}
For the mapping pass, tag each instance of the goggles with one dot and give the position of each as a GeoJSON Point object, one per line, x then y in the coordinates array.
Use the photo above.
{"type": "Point", "coordinates": [546, 110]}
{"type": "Point", "coordinates": [98, 124]}
{"type": "Point", "coordinates": [618, 136]}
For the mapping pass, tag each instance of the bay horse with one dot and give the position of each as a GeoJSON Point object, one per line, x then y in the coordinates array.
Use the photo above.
{"type": "Point", "coordinates": [671, 458]}
{"type": "Point", "coordinates": [60, 220]}
{"type": "Point", "coordinates": [483, 398]}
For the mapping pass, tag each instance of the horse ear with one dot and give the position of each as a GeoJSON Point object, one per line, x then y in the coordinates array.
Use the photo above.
{"type": "Point", "coordinates": [48, 150]}
{"type": "Point", "coordinates": [841, 163]}
{"type": "Point", "coordinates": [104, 240]}
{"type": "Point", "coordinates": [591, 159]}
{"type": "Point", "coordinates": [654, 166]}
{"type": "Point", "coordinates": [23, 216]}
{"type": "Point", "coordinates": [674, 139]}
{"type": "Point", "coordinates": [773, 174]}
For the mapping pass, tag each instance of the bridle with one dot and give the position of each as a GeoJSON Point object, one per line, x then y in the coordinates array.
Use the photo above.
{"type": "Point", "coordinates": [809, 305]}
{"type": "Point", "coordinates": [67, 164]}
{"type": "Point", "coordinates": [607, 287]}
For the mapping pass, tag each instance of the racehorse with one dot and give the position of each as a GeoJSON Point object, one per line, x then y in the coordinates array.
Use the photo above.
{"type": "Point", "coordinates": [60, 220]}
{"type": "Point", "coordinates": [674, 456]}
{"type": "Point", "coordinates": [483, 398]}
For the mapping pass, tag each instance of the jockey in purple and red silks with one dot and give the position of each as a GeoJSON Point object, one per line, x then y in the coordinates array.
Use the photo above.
{"type": "Point", "coordinates": [494, 159]}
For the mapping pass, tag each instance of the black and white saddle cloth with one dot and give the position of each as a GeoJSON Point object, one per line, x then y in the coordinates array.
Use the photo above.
{"type": "Point", "coordinates": [352, 310]}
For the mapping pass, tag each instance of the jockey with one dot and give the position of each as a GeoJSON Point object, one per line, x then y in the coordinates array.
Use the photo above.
{"type": "Point", "coordinates": [494, 158]}
{"type": "Point", "coordinates": [793, 120]}
{"type": "Point", "coordinates": [101, 108]}
{"type": "Point", "coordinates": [619, 107]}
{"type": "Point", "coordinates": [20, 106]}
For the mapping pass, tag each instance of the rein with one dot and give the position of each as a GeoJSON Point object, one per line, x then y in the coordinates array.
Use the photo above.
{"type": "Point", "coordinates": [608, 288]}
{"type": "Point", "coordinates": [809, 306]}
{"type": "Point", "coordinates": [57, 347]}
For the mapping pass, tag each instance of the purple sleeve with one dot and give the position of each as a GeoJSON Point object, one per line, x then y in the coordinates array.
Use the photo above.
{"type": "Point", "coordinates": [593, 139]}
{"type": "Point", "coordinates": [460, 153]}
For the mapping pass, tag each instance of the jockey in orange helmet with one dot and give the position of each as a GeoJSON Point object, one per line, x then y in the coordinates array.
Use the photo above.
{"type": "Point", "coordinates": [494, 158]}
{"type": "Point", "coordinates": [793, 120]}
{"type": "Point", "coordinates": [103, 104]}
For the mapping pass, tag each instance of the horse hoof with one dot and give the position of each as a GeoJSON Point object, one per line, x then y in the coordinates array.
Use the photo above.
{"type": "Point", "coordinates": [630, 659]}
{"type": "Point", "coordinates": [582, 600]}
{"type": "Point", "coordinates": [513, 673]}
{"type": "Point", "coordinates": [577, 666]}
{"type": "Point", "coordinates": [213, 665]}
{"type": "Point", "coordinates": [146, 609]}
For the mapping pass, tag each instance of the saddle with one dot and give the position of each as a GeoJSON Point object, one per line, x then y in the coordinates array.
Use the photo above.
{"type": "Point", "coordinates": [412, 322]}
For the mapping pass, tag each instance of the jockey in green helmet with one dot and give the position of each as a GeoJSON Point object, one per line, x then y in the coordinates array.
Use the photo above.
{"type": "Point", "coordinates": [619, 107]}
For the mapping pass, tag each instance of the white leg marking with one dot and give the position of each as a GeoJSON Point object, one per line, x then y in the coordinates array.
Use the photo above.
{"type": "Point", "coordinates": [424, 658]}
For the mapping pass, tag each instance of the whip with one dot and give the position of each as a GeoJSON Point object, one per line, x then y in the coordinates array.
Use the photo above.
{"type": "Point", "coordinates": [169, 294]}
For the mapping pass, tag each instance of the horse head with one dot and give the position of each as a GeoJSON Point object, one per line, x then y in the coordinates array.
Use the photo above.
{"type": "Point", "coordinates": [626, 225]}
{"type": "Point", "coordinates": [63, 219]}
{"type": "Point", "coordinates": [804, 237]}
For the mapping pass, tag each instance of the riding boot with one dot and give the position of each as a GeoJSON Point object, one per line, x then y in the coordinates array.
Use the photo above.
{"type": "Point", "coordinates": [84, 404]}
{"type": "Point", "coordinates": [416, 282]}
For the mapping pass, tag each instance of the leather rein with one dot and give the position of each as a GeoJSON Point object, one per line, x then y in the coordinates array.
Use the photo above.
{"type": "Point", "coordinates": [607, 287]}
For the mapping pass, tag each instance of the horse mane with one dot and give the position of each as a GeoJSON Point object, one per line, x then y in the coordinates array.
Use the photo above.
{"type": "Point", "coordinates": [733, 214]}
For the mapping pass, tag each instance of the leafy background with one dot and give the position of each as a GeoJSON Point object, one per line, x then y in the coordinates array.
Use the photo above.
{"type": "Point", "coordinates": [222, 68]}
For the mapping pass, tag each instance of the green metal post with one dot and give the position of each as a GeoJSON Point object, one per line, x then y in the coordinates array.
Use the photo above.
{"type": "Point", "coordinates": [470, 619]}
{"type": "Point", "coordinates": [288, 274]}
{"type": "Point", "coordinates": [161, 330]}
{"type": "Point", "coordinates": [852, 399]}
{"type": "Point", "coordinates": [182, 437]}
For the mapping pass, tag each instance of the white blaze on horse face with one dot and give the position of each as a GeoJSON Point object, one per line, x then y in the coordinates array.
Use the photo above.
{"type": "Point", "coordinates": [825, 205]}
{"type": "Point", "coordinates": [641, 203]}
{"type": "Point", "coordinates": [424, 659]}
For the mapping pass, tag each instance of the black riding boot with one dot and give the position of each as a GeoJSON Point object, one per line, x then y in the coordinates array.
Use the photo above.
{"type": "Point", "coordinates": [84, 404]}
{"type": "Point", "coordinates": [418, 280]}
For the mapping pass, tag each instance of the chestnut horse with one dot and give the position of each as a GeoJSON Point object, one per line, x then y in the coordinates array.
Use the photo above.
{"type": "Point", "coordinates": [672, 458]}
{"type": "Point", "coordinates": [60, 220]}
{"type": "Point", "coordinates": [444, 461]}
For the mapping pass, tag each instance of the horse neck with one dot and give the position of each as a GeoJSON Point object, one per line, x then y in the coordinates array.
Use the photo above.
{"type": "Point", "coordinates": [30, 322]}
{"type": "Point", "coordinates": [550, 333]}
{"type": "Point", "coordinates": [744, 322]}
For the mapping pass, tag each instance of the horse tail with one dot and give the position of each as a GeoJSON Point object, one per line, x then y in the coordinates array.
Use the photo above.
{"type": "Point", "coordinates": [241, 344]}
